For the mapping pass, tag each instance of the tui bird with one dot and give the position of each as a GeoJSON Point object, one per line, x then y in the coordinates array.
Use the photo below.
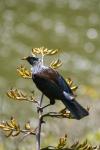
{"type": "Point", "coordinates": [53, 85]}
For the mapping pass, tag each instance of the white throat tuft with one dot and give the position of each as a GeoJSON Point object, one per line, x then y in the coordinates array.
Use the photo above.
{"type": "Point", "coordinates": [38, 67]}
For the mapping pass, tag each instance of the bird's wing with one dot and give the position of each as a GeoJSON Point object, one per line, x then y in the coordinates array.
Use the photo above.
{"type": "Point", "coordinates": [64, 85]}
{"type": "Point", "coordinates": [45, 82]}
{"type": "Point", "coordinates": [54, 77]}
{"type": "Point", "coordinates": [47, 75]}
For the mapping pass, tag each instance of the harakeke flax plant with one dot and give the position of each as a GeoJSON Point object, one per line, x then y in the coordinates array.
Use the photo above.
{"type": "Point", "coordinates": [13, 128]}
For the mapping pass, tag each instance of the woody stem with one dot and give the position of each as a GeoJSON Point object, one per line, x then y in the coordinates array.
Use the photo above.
{"type": "Point", "coordinates": [38, 133]}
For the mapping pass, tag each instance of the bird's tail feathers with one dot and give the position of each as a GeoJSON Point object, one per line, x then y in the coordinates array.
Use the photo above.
{"type": "Point", "coordinates": [74, 107]}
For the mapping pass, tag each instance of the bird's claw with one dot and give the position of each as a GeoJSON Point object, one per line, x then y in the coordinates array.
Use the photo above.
{"type": "Point", "coordinates": [39, 109]}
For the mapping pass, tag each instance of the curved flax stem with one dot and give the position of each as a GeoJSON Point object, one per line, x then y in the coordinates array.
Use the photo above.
{"type": "Point", "coordinates": [38, 132]}
{"type": "Point", "coordinates": [52, 114]}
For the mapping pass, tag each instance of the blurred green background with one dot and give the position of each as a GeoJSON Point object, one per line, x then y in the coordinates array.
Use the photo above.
{"type": "Point", "coordinates": [73, 27]}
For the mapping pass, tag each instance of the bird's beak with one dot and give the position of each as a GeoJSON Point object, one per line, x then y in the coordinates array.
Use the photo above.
{"type": "Point", "coordinates": [24, 58]}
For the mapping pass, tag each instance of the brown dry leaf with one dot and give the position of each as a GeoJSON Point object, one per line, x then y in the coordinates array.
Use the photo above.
{"type": "Point", "coordinates": [43, 51]}
{"type": "Point", "coordinates": [62, 142]}
{"type": "Point", "coordinates": [55, 64]}
{"type": "Point", "coordinates": [24, 72]}
{"type": "Point", "coordinates": [74, 88]}
{"type": "Point", "coordinates": [66, 113]}
{"type": "Point", "coordinates": [27, 126]}
{"type": "Point", "coordinates": [9, 124]}
{"type": "Point", "coordinates": [35, 51]}
{"type": "Point", "coordinates": [2, 125]}
{"type": "Point", "coordinates": [16, 94]}
{"type": "Point", "coordinates": [52, 52]}
{"type": "Point", "coordinates": [15, 123]}
{"type": "Point", "coordinates": [70, 83]}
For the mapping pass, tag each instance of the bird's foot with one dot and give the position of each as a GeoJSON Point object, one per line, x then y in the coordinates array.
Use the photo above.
{"type": "Point", "coordinates": [46, 106]}
{"type": "Point", "coordinates": [39, 109]}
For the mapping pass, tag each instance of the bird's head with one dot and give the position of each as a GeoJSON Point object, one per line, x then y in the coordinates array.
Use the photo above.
{"type": "Point", "coordinates": [32, 60]}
